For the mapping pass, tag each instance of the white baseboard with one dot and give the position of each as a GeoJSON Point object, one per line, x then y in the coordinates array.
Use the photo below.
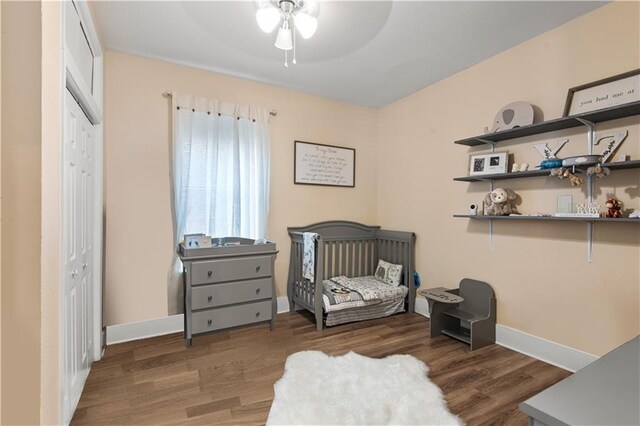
{"type": "Point", "coordinates": [545, 350]}
{"type": "Point", "coordinates": [283, 304]}
{"type": "Point", "coordinates": [143, 329]}
{"type": "Point", "coordinates": [422, 307]}
{"type": "Point", "coordinates": [160, 326]}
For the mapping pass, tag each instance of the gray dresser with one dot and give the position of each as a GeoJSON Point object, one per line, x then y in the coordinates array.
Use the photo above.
{"type": "Point", "coordinates": [228, 286]}
{"type": "Point", "coordinates": [605, 392]}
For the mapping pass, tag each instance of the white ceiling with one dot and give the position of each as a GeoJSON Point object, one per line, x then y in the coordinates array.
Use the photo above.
{"type": "Point", "coordinates": [368, 53]}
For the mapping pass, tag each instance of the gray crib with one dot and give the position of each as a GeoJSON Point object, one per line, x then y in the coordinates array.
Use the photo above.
{"type": "Point", "coordinates": [351, 249]}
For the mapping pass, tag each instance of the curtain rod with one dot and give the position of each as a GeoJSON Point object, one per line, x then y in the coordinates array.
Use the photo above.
{"type": "Point", "coordinates": [273, 112]}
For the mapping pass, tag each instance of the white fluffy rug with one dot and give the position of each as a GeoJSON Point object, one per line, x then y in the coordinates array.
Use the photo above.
{"type": "Point", "coordinates": [354, 389]}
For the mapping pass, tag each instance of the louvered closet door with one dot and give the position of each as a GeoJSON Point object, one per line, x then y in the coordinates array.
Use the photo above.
{"type": "Point", "coordinates": [77, 194]}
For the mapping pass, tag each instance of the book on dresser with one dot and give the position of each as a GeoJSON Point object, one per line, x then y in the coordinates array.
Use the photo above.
{"type": "Point", "coordinates": [230, 284]}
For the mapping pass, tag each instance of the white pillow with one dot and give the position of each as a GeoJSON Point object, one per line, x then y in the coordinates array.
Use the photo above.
{"type": "Point", "coordinates": [388, 273]}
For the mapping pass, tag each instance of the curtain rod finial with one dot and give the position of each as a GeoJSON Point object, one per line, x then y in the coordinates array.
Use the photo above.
{"type": "Point", "coordinates": [273, 112]}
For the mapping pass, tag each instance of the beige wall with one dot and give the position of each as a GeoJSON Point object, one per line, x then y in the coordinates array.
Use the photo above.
{"type": "Point", "coordinates": [52, 82]}
{"type": "Point", "coordinates": [540, 273]}
{"type": "Point", "coordinates": [0, 211]}
{"type": "Point", "coordinates": [137, 187]}
{"type": "Point", "coordinates": [21, 153]}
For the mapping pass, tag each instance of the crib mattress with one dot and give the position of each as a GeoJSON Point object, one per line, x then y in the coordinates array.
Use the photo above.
{"type": "Point", "coordinates": [364, 313]}
{"type": "Point", "coordinates": [375, 293]}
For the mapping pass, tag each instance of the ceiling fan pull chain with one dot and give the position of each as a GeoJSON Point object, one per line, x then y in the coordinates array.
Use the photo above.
{"type": "Point", "coordinates": [294, 44]}
{"type": "Point", "coordinates": [286, 63]}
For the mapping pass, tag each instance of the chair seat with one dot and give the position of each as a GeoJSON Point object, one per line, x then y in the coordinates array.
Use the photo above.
{"type": "Point", "coordinates": [464, 315]}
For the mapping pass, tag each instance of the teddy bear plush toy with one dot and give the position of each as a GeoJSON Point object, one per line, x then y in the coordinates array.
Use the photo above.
{"type": "Point", "coordinates": [500, 202]}
{"type": "Point", "coordinates": [613, 208]}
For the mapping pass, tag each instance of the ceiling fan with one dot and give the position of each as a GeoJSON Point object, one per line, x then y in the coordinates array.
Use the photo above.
{"type": "Point", "coordinates": [288, 15]}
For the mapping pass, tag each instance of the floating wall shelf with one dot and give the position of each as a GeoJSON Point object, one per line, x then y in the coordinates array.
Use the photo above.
{"type": "Point", "coordinates": [533, 173]}
{"type": "Point", "coordinates": [588, 120]}
{"type": "Point", "coordinates": [555, 218]}
{"type": "Point", "coordinates": [612, 113]}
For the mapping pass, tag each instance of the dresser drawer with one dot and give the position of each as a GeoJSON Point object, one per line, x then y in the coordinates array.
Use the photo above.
{"type": "Point", "coordinates": [209, 296]}
{"type": "Point", "coordinates": [231, 316]}
{"type": "Point", "coordinates": [215, 271]}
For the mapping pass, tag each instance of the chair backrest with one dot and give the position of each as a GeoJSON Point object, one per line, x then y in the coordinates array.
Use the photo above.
{"type": "Point", "coordinates": [477, 296]}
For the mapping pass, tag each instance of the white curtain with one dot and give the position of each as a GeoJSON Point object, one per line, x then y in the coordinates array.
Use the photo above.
{"type": "Point", "coordinates": [220, 174]}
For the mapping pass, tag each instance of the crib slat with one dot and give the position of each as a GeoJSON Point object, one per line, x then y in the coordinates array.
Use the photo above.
{"type": "Point", "coordinates": [343, 257]}
{"type": "Point", "coordinates": [352, 257]}
{"type": "Point", "coordinates": [329, 256]}
{"type": "Point", "coordinates": [358, 269]}
{"type": "Point", "coordinates": [374, 254]}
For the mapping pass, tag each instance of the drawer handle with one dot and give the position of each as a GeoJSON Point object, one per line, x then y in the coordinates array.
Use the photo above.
{"type": "Point", "coordinates": [210, 298]}
{"type": "Point", "coordinates": [257, 291]}
{"type": "Point", "coordinates": [209, 322]}
{"type": "Point", "coordinates": [209, 274]}
{"type": "Point", "coordinates": [257, 314]}
{"type": "Point", "coordinates": [258, 268]}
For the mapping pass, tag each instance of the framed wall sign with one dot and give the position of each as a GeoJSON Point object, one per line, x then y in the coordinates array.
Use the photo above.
{"type": "Point", "coordinates": [613, 91]}
{"type": "Point", "coordinates": [316, 164]}
{"type": "Point", "coordinates": [486, 164]}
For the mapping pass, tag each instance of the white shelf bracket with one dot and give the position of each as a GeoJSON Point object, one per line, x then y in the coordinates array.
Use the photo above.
{"type": "Point", "coordinates": [589, 241]}
{"type": "Point", "coordinates": [491, 221]}
{"type": "Point", "coordinates": [591, 136]}
{"type": "Point", "coordinates": [492, 144]}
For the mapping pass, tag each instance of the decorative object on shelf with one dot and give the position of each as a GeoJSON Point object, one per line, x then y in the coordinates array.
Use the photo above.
{"type": "Point", "coordinates": [500, 202]}
{"type": "Point", "coordinates": [550, 153]}
{"type": "Point", "coordinates": [634, 214]}
{"type": "Point", "coordinates": [598, 171]}
{"type": "Point", "coordinates": [551, 163]}
{"type": "Point", "coordinates": [473, 209]}
{"type": "Point", "coordinates": [293, 15]}
{"type": "Point", "coordinates": [588, 209]}
{"type": "Point", "coordinates": [581, 160]}
{"type": "Point", "coordinates": [192, 240]}
{"type": "Point", "coordinates": [205, 241]}
{"type": "Point", "coordinates": [564, 204]}
{"type": "Point", "coordinates": [516, 114]}
{"type": "Point", "coordinates": [328, 165]}
{"type": "Point", "coordinates": [485, 164]}
{"type": "Point", "coordinates": [622, 158]}
{"type": "Point", "coordinates": [613, 208]}
{"type": "Point", "coordinates": [613, 91]}
{"type": "Point", "coordinates": [612, 146]}
{"type": "Point", "coordinates": [562, 173]}
{"type": "Point", "coordinates": [524, 167]}
{"type": "Point", "coordinates": [575, 180]}
{"type": "Point", "coordinates": [515, 167]}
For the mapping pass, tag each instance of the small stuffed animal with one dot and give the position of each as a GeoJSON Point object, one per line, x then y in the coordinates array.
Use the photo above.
{"type": "Point", "coordinates": [500, 202]}
{"type": "Point", "coordinates": [613, 208]}
{"type": "Point", "coordinates": [575, 180]}
{"type": "Point", "coordinates": [563, 173]}
{"type": "Point", "coordinates": [598, 170]}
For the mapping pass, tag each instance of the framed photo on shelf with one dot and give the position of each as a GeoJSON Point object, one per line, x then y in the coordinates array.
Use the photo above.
{"type": "Point", "coordinates": [609, 92]}
{"type": "Point", "coordinates": [488, 164]}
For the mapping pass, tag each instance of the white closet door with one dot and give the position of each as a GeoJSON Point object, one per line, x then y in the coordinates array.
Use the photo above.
{"type": "Point", "coordinates": [77, 231]}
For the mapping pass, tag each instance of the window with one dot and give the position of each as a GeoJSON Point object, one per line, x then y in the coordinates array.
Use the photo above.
{"type": "Point", "coordinates": [221, 173]}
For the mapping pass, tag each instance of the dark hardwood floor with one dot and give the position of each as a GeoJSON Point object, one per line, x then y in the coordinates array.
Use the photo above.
{"type": "Point", "coordinates": [228, 377]}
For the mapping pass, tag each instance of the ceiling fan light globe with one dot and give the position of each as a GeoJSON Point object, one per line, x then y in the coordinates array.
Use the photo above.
{"type": "Point", "coordinates": [306, 24]}
{"type": "Point", "coordinates": [283, 40]}
{"type": "Point", "coordinates": [268, 19]}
